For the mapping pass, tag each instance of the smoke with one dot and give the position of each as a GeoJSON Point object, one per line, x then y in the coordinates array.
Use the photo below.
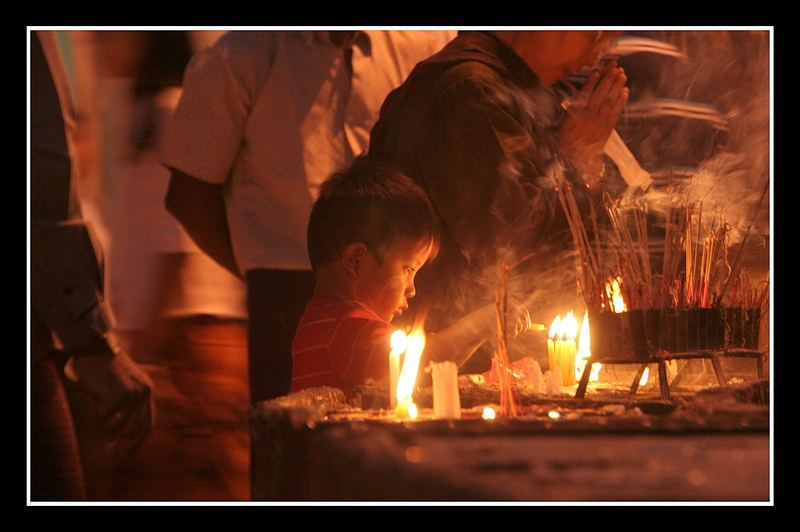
{"type": "Point", "coordinates": [529, 233]}
{"type": "Point", "coordinates": [726, 183]}
{"type": "Point", "coordinates": [727, 71]}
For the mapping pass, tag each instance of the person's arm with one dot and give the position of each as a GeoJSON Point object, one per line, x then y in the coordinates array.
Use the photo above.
{"type": "Point", "coordinates": [459, 341]}
{"type": "Point", "coordinates": [200, 209]}
{"type": "Point", "coordinates": [66, 298]}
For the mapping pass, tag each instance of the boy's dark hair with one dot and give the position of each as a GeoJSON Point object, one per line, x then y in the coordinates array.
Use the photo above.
{"type": "Point", "coordinates": [372, 203]}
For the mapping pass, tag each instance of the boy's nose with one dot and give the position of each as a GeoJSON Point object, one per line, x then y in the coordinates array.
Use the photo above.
{"type": "Point", "coordinates": [411, 291]}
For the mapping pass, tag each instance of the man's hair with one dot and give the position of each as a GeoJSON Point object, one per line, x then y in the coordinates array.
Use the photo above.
{"type": "Point", "coordinates": [372, 203]}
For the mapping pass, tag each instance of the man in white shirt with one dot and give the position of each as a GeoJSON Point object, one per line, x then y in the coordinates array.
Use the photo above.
{"type": "Point", "coordinates": [264, 118]}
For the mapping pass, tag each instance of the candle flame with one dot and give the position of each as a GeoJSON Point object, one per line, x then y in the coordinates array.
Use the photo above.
{"type": "Point", "coordinates": [412, 411]}
{"type": "Point", "coordinates": [569, 327]}
{"type": "Point", "coordinates": [398, 341]}
{"type": "Point", "coordinates": [645, 376]}
{"type": "Point", "coordinates": [488, 413]}
{"type": "Point", "coordinates": [553, 414]}
{"type": "Point", "coordinates": [585, 352]}
{"type": "Point", "coordinates": [584, 343]}
{"type": "Point", "coordinates": [554, 328]}
{"type": "Point", "coordinates": [408, 375]}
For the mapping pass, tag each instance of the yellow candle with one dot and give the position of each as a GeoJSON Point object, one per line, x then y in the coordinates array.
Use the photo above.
{"type": "Point", "coordinates": [567, 362]}
{"type": "Point", "coordinates": [568, 348]}
{"type": "Point", "coordinates": [557, 356]}
{"type": "Point", "coordinates": [551, 343]}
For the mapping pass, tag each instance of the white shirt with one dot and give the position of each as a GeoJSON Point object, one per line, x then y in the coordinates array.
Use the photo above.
{"type": "Point", "coordinates": [272, 114]}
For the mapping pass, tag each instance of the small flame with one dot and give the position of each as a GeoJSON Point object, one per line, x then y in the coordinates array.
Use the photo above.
{"type": "Point", "coordinates": [406, 409]}
{"type": "Point", "coordinates": [553, 414]}
{"type": "Point", "coordinates": [569, 327]}
{"type": "Point", "coordinates": [488, 413]}
{"type": "Point", "coordinates": [615, 295]}
{"type": "Point", "coordinates": [554, 328]}
{"type": "Point", "coordinates": [408, 375]}
{"type": "Point", "coordinates": [645, 376]}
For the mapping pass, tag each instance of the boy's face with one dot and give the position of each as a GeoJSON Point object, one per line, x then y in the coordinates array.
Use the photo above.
{"type": "Point", "coordinates": [387, 287]}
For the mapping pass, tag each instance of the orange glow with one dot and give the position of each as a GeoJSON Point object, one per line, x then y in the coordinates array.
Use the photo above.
{"type": "Point", "coordinates": [406, 409]}
{"type": "Point", "coordinates": [615, 295]}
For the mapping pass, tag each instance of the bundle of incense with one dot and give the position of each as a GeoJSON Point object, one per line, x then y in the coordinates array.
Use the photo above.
{"type": "Point", "coordinates": [591, 262]}
{"type": "Point", "coordinates": [508, 401]}
{"type": "Point", "coordinates": [624, 255]}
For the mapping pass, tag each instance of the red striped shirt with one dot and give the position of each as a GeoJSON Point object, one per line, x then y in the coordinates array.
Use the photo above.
{"type": "Point", "coordinates": [340, 344]}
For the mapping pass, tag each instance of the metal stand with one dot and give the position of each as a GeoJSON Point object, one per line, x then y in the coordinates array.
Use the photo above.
{"type": "Point", "coordinates": [662, 358]}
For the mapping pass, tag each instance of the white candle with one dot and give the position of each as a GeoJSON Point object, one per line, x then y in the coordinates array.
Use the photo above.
{"type": "Point", "coordinates": [536, 377]}
{"type": "Point", "coordinates": [446, 401]}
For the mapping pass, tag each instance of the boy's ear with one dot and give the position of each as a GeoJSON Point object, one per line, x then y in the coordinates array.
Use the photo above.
{"type": "Point", "coordinates": [353, 257]}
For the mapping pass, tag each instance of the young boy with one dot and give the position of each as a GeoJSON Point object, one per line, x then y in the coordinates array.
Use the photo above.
{"type": "Point", "coordinates": [370, 232]}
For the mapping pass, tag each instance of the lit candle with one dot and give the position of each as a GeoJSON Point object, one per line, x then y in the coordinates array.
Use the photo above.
{"type": "Point", "coordinates": [398, 344]}
{"type": "Point", "coordinates": [568, 349]}
{"type": "Point", "coordinates": [551, 343]}
{"type": "Point", "coordinates": [567, 362]}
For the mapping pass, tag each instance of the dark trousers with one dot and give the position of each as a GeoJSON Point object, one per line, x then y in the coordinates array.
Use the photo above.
{"type": "Point", "coordinates": [275, 301]}
{"type": "Point", "coordinates": [56, 470]}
